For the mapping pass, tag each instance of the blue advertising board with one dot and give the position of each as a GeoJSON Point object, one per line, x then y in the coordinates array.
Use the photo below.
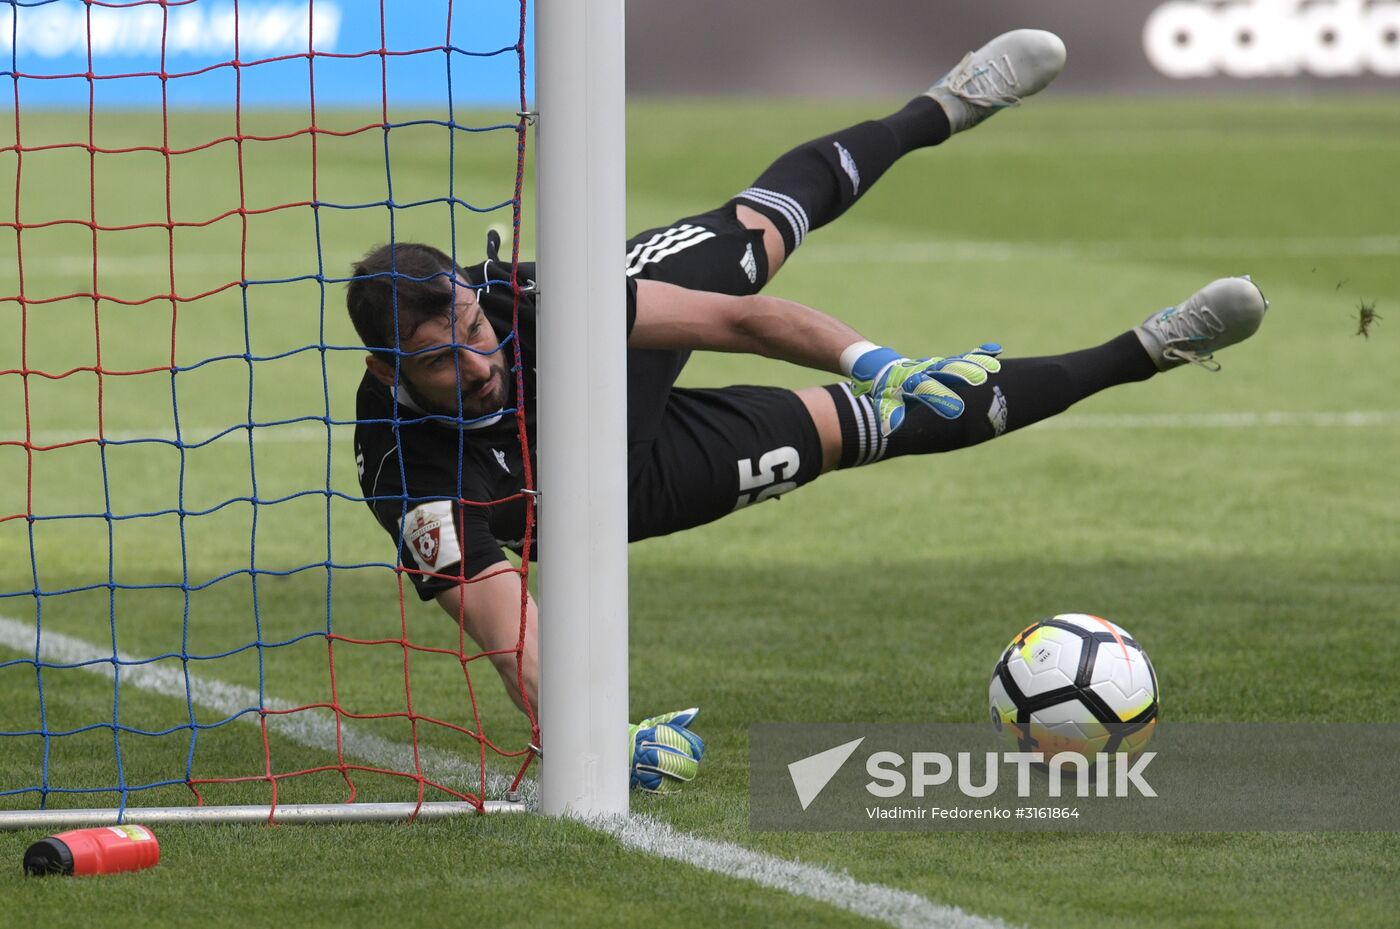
{"type": "Point", "coordinates": [266, 52]}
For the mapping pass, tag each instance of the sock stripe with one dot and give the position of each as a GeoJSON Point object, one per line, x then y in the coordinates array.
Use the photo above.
{"type": "Point", "coordinates": [870, 445]}
{"type": "Point", "coordinates": [787, 206]}
{"type": "Point", "coordinates": [876, 450]}
{"type": "Point", "coordinates": [791, 210]}
{"type": "Point", "coordinates": [862, 427]}
{"type": "Point", "coordinates": [866, 426]}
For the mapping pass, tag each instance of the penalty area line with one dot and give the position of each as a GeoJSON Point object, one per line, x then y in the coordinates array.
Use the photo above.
{"type": "Point", "coordinates": [639, 833]}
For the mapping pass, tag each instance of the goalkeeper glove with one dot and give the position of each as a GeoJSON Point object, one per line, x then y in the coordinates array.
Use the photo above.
{"type": "Point", "coordinates": [891, 380]}
{"type": "Point", "coordinates": [663, 747]}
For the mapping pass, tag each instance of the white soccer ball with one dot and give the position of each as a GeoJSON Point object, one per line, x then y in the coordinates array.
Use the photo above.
{"type": "Point", "coordinates": [1074, 683]}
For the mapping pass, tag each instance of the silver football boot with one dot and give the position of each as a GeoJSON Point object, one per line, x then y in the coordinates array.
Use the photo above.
{"type": "Point", "coordinates": [1219, 314]}
{"type": "Point", "coordinates": [998, 75]}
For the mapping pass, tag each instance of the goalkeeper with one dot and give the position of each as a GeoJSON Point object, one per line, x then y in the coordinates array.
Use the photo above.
{"type": "Point", "coordinates": [437, 442]}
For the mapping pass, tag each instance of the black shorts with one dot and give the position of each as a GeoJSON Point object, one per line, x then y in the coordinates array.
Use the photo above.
{"type": "Point", "coordinates": [697, 455]}
{"type": "Point", "coordinates": [719, 450]}
{"type": "Point", "coordinates": [712, 251]}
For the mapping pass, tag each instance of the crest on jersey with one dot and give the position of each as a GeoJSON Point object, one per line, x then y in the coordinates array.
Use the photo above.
{"type": "Point", "coordinates": [432, 537]}
{"type": "Point", "coordinates": [501, 459]}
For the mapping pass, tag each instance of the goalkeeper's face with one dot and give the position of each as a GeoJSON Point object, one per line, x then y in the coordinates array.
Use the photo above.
{"type": "Point", "coordinates": [454, 366]}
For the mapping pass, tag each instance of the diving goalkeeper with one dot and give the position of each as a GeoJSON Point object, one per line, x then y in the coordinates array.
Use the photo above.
{"type": "Point", "coordinates": [437, 443]}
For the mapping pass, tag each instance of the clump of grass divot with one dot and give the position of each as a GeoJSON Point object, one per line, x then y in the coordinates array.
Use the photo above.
{"type": "Point", "coordinates": [1366, 317]}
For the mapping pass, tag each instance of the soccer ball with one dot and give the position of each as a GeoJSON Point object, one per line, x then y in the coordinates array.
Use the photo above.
{"type": "Point", "coordinates": [1074, 683]}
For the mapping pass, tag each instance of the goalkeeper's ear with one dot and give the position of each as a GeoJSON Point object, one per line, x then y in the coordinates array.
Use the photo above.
{"type": "Point", "coordinates": [382, 371]}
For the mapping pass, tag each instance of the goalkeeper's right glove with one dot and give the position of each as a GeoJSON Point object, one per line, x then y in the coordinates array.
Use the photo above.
{"type": "Point", "coordinates": [891, 380]}
{"type": "Point", "coordinates": [663, 748]}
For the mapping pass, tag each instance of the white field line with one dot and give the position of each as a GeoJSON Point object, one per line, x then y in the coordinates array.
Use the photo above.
{"type": "Point", "coordinates": [1244, 419]}
{"type": "Point", "coordinates": [835, 888]}
{"type": "Point", "coordinates": [901, 252]}
{"type": "Point", "coordinates": [888, 905]}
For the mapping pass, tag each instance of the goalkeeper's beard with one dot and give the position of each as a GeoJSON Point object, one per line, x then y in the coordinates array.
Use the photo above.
{"type": "Point", "coordinates": [473, 404]}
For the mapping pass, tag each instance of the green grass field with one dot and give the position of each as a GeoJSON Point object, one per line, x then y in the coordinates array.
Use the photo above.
{"type": "Point", "coordinates": [1256, 557]}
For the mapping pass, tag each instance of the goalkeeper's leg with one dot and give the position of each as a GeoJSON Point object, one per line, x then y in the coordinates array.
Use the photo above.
{"type": "Point", "coordinates": [819, 180]}
{"type": "Point", "coordinates": [1025, 391]}
{"type": "Point", "coordinates": [717, 451]}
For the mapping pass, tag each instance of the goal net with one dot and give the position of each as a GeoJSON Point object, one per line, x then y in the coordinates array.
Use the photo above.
{"type": "Point", "coordinates": [196, 606]}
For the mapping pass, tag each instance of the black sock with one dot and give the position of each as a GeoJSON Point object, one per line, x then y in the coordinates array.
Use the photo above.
{"type": "Point", "coordinates": [1025, 391]}
{"type": "Point", "coordinates": [819, 180]}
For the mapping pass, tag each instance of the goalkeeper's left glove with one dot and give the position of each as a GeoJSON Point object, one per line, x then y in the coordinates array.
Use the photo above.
{"type": "Point", "coordinates": [663, 748]}
{"type": "Point", "coordinates": [891, 380]}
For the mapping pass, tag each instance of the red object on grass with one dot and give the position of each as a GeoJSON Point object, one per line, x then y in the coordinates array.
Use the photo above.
{"type": "Point", "coordinates": [94, 851]}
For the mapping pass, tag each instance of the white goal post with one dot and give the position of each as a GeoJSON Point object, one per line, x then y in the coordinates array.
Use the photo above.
{"type": "Point", "coordinates": [581, 160]}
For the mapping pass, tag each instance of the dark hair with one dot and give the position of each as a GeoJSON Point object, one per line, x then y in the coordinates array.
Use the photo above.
{"type": "Point", "coordinates": [420, 275]}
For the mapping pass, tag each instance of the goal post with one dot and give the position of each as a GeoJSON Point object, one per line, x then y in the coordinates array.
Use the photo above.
{"type": "Point", "coordinates": [583, 388]}
{"type": "Point", "coordinates": [286, 814]}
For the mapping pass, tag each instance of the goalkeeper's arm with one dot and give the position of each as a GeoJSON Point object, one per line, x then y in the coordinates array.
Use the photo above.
{"type": "Point", "coordinates": [671, 317]}
{"type": "Point", "coordinates": [487, 607]}
{"type": "Point", "coordinates": [662, 750]}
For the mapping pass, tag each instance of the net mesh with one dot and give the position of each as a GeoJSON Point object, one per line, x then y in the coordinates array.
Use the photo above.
{"type": "Point", "coordinates": [195, 605]}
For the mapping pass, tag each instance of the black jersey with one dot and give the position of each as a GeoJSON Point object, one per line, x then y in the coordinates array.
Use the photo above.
{"type": "Point", "coordinates": [424, 474]}
{"type": "Point", "coordinates": [450, 493]}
